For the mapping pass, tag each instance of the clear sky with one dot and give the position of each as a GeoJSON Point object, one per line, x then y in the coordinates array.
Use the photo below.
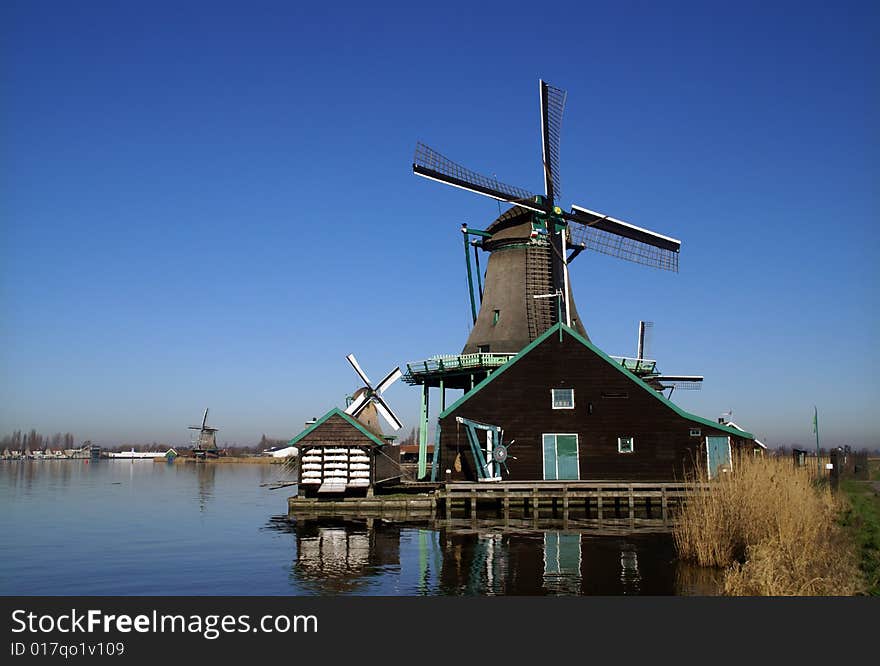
{"type": "Point", "coordinates": [211, 204]}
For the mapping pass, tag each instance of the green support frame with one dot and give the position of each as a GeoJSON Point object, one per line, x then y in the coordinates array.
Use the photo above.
{"type": "Point", "coordinates": [423, 434]}
{"type": "Point", "coordinates": [485, 470]}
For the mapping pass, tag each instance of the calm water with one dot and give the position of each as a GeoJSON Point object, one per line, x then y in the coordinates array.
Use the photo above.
{"type": "Point", "coordinates": [74, 527]}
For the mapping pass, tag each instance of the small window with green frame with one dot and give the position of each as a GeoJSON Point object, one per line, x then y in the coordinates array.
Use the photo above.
{"type": "Point", "coordinates": [625, 444]}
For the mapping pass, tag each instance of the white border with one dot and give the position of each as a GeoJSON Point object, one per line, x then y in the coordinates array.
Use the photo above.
{"type": "Point", "coordinates": [633, 450]}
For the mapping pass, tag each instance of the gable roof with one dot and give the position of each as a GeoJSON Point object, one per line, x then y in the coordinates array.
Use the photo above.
{"type": "Point", "coordinates": [757, 441]}
{"type": "Point", "coordinates": [337, 412]}
{"type": "Point", "coordinates": [562, 328]}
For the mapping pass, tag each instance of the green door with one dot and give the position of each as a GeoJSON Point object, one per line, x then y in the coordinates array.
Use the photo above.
{"type": "Point", "coordinates": [718, 454]}
{"type": "Point", "coordinates": [561, 457]}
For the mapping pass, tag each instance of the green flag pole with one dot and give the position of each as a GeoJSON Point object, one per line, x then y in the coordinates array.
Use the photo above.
{"type": "Point", "coordinates": [816, 430]}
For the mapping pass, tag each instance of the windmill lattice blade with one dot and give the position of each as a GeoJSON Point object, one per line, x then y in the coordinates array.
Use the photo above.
{"type": "Point", "coordinates": [684, 382]}
{"type": "Point", "coordinates": [431, 164]}
{"type": "Point", "coordinates": [617, 238]}
{"type": "Point", "coordinates": [357, 405]}
{"type": "Point", "coordinates": [205, 418]}
{"type": "Point", "coordinates": [552, 106]}
{"type": "Point", "coordinates": [392, 377]}
{"type": "Point", "coordinates": [354, 364]}
{"type": "Point", "coordinates": [383, 408]}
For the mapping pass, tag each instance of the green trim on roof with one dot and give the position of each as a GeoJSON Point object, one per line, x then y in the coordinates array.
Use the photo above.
{"type": "Point", "coordinates": [563, 328]}
{"type": "Point", "coordinates": [353, 421]}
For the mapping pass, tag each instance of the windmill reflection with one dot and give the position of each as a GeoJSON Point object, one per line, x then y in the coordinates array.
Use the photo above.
{"type": "Point", "coordinates": [206, 476]}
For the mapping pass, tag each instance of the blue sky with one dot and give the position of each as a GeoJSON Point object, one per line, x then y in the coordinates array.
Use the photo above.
{"type": "Point", "coordinates": [211, 204]}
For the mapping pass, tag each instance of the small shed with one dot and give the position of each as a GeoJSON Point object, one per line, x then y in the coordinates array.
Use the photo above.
{"type": "Point", "coordinates": [341, 455]}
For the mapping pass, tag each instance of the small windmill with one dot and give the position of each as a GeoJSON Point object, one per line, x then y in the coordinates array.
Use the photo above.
{"type": "Point", "coordinates": [207, 440]}
{"type": "Point", "coordinates": [367, 400]}
{"type": "Point", "coordinates": [540, 230]}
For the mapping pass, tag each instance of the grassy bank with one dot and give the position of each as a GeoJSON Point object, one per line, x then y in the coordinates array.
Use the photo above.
{"type": "Point", "coordinates": [771, 531]}
{"type": "Point", "coordinates": [862, 521]}
{"type": "Point", "coordinates": [232, 460]}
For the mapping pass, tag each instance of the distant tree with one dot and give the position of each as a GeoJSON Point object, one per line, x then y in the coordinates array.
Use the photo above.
{"type": "Point", "coordinates": [411, 438]}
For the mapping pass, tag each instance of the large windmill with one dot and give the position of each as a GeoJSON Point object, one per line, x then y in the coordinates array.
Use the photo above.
{"type": "Point", "coordinates": [531, 245]}
{"type": "Point", "coordinates": [207, 439]}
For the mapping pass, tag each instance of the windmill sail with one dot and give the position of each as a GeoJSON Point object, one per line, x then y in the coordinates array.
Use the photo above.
{"type": "Point", "coordinates": [683, 382]}
{"type": "Point", "coordinates": [607, 235]}
{"type": "Point", "coordinates": [552, 106]}
{"type": "Point", "coordinates": [428, 163]}
{"type": "Point", "coordinates": [369, 396]}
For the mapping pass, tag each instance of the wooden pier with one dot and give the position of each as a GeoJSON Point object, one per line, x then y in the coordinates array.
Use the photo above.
{"type": "Point", "coordinates": [635, 504]}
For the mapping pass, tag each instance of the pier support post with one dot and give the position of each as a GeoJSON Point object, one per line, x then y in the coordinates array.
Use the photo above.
{"type": "Point", "coordinates": [599, 504]}
{"type": "Point", "coordinates": [664, 504]}
{"type": "Point", "coordinates": [632, 504]}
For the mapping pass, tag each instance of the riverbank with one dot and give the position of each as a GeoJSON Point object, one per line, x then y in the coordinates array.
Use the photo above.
{"type": "Point", "coordinates": [231, 460]}
{"type": "Point", "coordinates": [862, 522]}
{"type": "Point", "coordinates": [772, 532]}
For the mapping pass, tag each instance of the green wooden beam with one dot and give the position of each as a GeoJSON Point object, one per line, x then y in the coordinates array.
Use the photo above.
{"type": "Point", "coordinates": [423, 434]}
{"type": "Point", "coordinates": [477, 232]}
{"type": "Point", "coordinates": [470, 279]}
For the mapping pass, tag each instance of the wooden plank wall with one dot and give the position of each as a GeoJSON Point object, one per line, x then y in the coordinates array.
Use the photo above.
{"type": "Point", "coordinates": [519, 400]}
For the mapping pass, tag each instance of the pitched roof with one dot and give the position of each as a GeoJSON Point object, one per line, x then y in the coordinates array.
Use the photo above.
{"type": "Point", "coordinates": [757, 441]}
{"type": "Point", "coordinates": [561, 328]}
{"type": "Point", "coordinates": [338, 412]}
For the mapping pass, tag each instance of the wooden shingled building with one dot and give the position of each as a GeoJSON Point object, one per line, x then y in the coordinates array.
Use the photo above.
{"type": "Point", "coordinates": [562, 409]}
{"type": "Point", "coordinates": [341, 454]}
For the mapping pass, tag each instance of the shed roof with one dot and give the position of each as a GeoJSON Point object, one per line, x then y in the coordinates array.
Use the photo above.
{"type": "Point", "coordinates": [338, 412]}
{"type": "Point", "coordinates": [561, 328]}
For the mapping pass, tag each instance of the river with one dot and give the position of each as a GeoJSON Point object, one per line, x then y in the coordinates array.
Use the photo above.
{"type": "Point", "coordinates": [81, 527]}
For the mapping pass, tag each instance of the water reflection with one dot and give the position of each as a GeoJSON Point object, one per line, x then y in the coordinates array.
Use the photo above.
{"type": "Point", "coordinates": [206, 477]}
{"type": "Point", "coordinates": [352, 556]}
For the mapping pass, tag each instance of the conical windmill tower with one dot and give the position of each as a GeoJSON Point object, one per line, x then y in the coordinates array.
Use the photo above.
{"type": "Point", "coordinates": [531, 246]}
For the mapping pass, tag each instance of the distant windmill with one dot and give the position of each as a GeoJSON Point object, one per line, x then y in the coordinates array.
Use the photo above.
{"type": "Point", "coordinates": [367, 401]}
{"type": "Point", "coordinates": [207, 441]}
{"type": "Point", "coordinates": [529, 244]}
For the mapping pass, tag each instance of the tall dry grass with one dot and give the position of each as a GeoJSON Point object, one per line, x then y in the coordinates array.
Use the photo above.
{"type": "Point", "coordinates": [772, 531]}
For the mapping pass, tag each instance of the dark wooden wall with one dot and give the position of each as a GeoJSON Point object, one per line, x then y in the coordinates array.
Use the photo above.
{"type": "Point", "coordinates": [519, 400]}
{"type": "Point", "coordinates": [335, 431]}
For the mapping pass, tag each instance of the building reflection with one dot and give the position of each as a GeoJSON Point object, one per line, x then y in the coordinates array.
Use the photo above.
{"type": "Point", "coordinates": [361, 556]}
{"type": "Point", "coordinates": [338, 557]}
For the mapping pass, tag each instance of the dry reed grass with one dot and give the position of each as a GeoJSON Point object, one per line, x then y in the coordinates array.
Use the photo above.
{"type": "Point", "coordinates": [771, 530]}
